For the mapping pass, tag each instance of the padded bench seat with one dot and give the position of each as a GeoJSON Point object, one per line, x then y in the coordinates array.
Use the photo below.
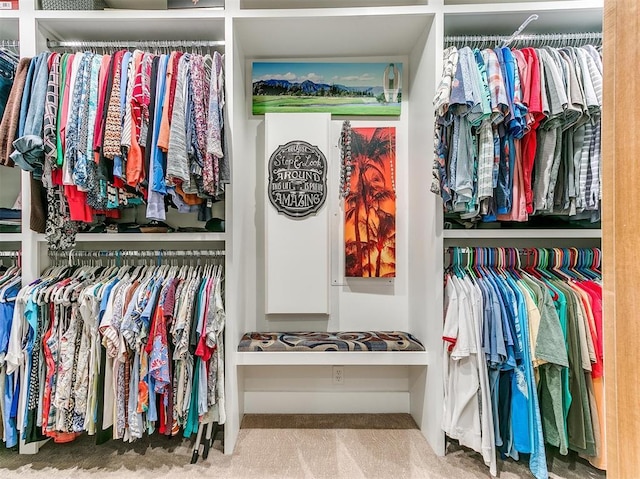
{"type": "Point", "coordinates": [307, 341]}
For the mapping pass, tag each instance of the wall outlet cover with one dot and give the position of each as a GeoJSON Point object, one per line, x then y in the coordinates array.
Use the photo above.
{"type": "Point", "coordinates": [338, 375]}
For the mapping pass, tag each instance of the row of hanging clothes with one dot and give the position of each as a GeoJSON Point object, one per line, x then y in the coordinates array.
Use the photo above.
{"type": "Point", "coordinates": [101, 132]}
{"type": "Point", "coordinates": [9, 59]}
{"type": "Point", "coordinates": [10, 284]}
{"type": "Point", "coordinates": [10, 210]}
{"type": "Point", "coordinates": [523, 354]}
{"type": "Point", "coordinates": [114, 344]}
{"type": "Point", "coordinates": [518, 131]}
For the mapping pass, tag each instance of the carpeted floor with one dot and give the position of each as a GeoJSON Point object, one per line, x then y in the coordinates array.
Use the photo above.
{"type": "Point", "coordinates": [279, 446]}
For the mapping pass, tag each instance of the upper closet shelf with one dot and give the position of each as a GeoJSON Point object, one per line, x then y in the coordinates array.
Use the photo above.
{"type": "Point", "coordinates": [132, 25]}
{"type": "Point", "coordinates": [165, 238]}
{"type": "Point", "coordinates": [553, 17]}
{"type": "Point", "coordinates": [113, 14]}
{"type": "Point", "coordinates": [501, 233]}
{"type": "Point", "coordinates": [537, 6]}
{"type": "Point", "coordinates": [349, 36]}
{"type": "Point", "coordinates": [276, 4]}
{"type": "Point", "coordinates": [9, 14]}
{"type": "Point", "coordinates": [10, 237]}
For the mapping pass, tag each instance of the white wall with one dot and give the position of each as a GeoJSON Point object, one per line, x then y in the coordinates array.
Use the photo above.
{"type": "Point", "coordinates": [309, 389]}
{"type": "Point", "coordinates": [9, 186]}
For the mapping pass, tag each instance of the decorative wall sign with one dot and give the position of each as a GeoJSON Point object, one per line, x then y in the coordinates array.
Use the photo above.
{"type": "Point", "coordinates": [353, 89]}
{"type": "Point", "coordinates": [370, 202]}
{"type": "Point", "coordinates": [297, 179]}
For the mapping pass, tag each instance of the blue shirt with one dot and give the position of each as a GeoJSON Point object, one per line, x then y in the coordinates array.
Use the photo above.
{"type": "Point", "coordinates": [538, 460]}
{"type": "Point", "coordinates": [10, 386]}
{"type": "Point", "coordinates": [6, 319]}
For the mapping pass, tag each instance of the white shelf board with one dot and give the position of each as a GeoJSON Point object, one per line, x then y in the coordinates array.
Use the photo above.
{"type": "Point", "coordinates": [522, 233]}
{"type": "Point", "coordinates": [9, 14]}
{"type": "Point", "coordinates": [322, 358]}
{"type": "Point", "coordinates": [554, 17]}
{"type": "Point", "coordinates": [140, 4]}
{"type": "Point", "coordinates": [158, 238]}
{"type": "Point", "coordinates": [119, 14]}
{"type": "Point", "coordinates": [187, 25]}
{"type": "Point", "coordinates": [10, 237]}
{"type": "Point", "coordinates": [511, 3]}
{"type": "Point", "coordinates": [498, 6]}
{"type": "Point", "coordinates": [276, 4]}
{"type": "Point", "coordinates": [357, 33]}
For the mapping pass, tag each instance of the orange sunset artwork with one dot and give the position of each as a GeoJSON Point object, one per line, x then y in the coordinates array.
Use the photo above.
{"type": "Point", "coordinates": [370, 206]}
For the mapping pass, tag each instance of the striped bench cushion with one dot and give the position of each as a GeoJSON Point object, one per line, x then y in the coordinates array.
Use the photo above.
{"type": "Point", "coordinates": [326, 341]}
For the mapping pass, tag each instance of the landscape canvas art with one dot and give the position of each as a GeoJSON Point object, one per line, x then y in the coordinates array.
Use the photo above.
{"type": "Point", "coordinates": [370, 205]}
{"type": "Point", "coordinates": [349, 89]}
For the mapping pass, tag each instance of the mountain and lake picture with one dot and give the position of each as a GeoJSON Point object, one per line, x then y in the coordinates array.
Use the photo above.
{"type": "Point", "coordinates": [350, 89]}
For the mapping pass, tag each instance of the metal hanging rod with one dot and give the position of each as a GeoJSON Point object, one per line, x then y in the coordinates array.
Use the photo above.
{"type": "Point", "coordinates": [468, 250]}
{"type": "Point", "coordinates": [137, 254]}
{"type": "Point", "coordinates": [521, 251]}
{"type": "Point", "coordinates": [9, 254]}
{"type": "Point", "coordinates": [10, 43]}
{"type": "Point", "coordinates": [550, 39]}
{"type": "Point", "coordinates": [136, 44]}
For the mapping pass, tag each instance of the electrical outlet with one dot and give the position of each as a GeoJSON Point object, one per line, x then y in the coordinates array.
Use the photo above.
{"type": "Point", "coordinates": [338, 375]}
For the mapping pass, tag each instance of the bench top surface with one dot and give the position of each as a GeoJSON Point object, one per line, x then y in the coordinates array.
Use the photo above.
{"type": "Point", "coordinates": [310, 341]}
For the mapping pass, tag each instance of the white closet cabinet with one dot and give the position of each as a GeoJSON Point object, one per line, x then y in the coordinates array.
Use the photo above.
{"type": "Point", "coordinates": [338, 30]}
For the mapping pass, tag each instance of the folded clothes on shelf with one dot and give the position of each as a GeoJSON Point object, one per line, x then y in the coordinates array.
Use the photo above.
{"type": "Point", "coordinates": [116, 228]}
{"type": "Point", "coordinates": [9, 214]}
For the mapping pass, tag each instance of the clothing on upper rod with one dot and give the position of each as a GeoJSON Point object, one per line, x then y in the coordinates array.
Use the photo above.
{"type": "Point", "coordinates": [115, 351]}
{"type": "Point", "coordinates": [104, 132]}
{"type": "Point", "coordinates": [8, 64]}
{"type": "Point", "coordinates": [518, 133]}
{"type": "Point", "coordinates": [523, 354]}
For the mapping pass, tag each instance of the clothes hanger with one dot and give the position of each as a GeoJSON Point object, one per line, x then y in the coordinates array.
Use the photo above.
{"type": "Point", "coordinates": [513, 263]}
{"type": "Point", "coordinates": [10, 273]}
{"type": "Point", "coordinates": [542, 263]}
{"type": "Point", "coordinates": [597, 253]}
{"type": "Point", "coordinates": [502, 261]}
{"type": "Point", "coordinates": [557, 264]}
{"type": "Point", "coordinates": [483, 261]}
{"type": "Point", "coordinates": [457, 257]}
{"type": "Point", "coordinates": [579, 265]}
{"type": "Point", "coordinates": [13, 281]}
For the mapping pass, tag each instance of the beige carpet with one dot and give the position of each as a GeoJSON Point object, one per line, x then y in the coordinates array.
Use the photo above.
{"type": "Point", "coordinates": [278, 446]}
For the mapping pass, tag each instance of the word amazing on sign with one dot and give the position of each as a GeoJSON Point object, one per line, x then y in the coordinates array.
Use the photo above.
{"type": "Point", "coordinates": [297, 179]}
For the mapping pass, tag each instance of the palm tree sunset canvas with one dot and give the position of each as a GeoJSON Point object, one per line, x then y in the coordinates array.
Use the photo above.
{"type": "Point", "coordinates": [370, 205]}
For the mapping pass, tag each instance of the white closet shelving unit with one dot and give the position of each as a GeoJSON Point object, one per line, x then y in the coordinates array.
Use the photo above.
{"type": "Point", "coordinates": [401, 30]}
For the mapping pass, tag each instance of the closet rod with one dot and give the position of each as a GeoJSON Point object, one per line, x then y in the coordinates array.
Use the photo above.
{"type": "Point", "coordinates": [9, 254]}
{"type": "Point", "coordinates": [136, 43]}
{"type": "Point", "coordinates": [561, 39]}
{"type": "Point", "coordinates": [524, 251]}
{"type": "Point", "coordinates": [137, 254]}
{"type": "Point", "coordinates": [10, 43]}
